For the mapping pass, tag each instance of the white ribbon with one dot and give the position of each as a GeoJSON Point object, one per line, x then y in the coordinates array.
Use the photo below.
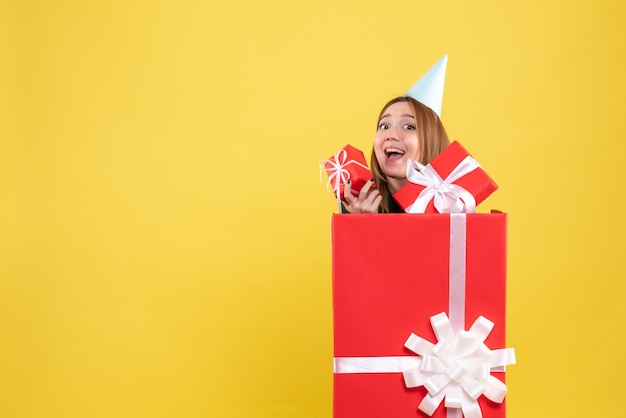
{"type": "Point", "coordinates": [458, 367]}
{"type": "Point", "coordinates": [457, 272]}
{"type": "Point", "coordinates": [390, 364]}
{"type": "Point", "coordinates": [448, 197]}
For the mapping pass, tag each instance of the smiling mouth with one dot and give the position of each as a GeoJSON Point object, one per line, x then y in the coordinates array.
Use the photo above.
{"type": "Point", "coordinates": [394, 153]}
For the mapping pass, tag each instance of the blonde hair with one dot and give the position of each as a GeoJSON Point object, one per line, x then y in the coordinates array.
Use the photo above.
{"type": "Point", "coordinates": [432, 139]}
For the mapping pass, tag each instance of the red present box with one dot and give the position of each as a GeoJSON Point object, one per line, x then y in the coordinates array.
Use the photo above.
{"type": "Point", "coordinates": [453, 182]}
{"type": "Point", "coordinates": [391, 273]}
{"type": "Point", "coordinates": [347, 163]}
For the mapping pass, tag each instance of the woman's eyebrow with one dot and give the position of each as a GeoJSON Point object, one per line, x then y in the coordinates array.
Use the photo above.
{"type": "Point", "coordinates": [406, 115]}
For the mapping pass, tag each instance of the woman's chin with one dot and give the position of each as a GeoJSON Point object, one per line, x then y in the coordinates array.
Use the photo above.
{"type": "Point", "coordinates": [395, 171]}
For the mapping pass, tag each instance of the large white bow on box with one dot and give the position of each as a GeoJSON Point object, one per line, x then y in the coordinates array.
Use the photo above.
{"type": "Point", "coordinates": [458, 368]}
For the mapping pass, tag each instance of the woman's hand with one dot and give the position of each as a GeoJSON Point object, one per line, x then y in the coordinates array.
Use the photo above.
{"type": "Point", "coordinates": [367, 201]}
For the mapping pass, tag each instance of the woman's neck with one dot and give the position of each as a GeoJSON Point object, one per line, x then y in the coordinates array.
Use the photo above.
{"type": "Point", "coordinates": [396, 184]}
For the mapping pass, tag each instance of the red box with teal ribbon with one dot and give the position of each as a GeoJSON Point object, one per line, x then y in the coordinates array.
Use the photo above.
{"type": "Point", "coordinates": [419, 315]}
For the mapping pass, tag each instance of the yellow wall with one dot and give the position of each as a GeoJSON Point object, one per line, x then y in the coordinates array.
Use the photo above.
{"type": "Point", "coordinates": [165, 238]}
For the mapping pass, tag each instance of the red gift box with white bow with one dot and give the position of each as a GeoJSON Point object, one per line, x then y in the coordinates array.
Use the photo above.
{"type": "Point", "coordinates": [346, 164]}
{"type": "Point", "coordinates": [419, 315]}
{"type": "Point", "coordinates": [453, 182]}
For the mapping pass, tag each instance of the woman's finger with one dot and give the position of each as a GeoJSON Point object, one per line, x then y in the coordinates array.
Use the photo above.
{"type": "Point", "coordinates": [347, 192]}
{"type": "Point", "coordinates": [372, 203]}
{"type": "Point", "coordinates": [365, 189]}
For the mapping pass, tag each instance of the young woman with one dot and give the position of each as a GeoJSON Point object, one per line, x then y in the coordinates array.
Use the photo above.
{"type": "Point", "coordinates": [407, 129]}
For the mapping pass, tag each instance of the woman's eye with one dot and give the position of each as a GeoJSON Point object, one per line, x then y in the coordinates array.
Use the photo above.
{"type": "Point", "coordinates": [409, 127]}
{"type": "Point", "coordinates": [383, 126]}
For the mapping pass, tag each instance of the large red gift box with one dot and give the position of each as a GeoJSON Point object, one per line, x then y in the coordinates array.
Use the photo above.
{"type": "Point", "coordinates": [347, 164]}
{"type": "Point", "coordinates": [475, 181]}
{"type": "Point", "coordinates": [391, 273]}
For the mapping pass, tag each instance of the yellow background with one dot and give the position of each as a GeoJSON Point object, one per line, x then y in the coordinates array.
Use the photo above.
{"type": "Point", "coordinates": [165, 237]}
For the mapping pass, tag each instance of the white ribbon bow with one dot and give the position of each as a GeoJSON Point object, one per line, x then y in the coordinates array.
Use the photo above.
{"type": "Point", "coordinates": [458, 367]}
{"type": "Point", "coordinates": [449, 197]}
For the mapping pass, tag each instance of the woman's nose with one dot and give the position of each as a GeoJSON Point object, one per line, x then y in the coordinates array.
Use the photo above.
{"type": "Point", "coordinates": [392, 134]}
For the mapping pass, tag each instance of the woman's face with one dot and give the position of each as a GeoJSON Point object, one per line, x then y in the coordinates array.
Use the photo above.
{"type": "Point", "coordinates": [396, 142]}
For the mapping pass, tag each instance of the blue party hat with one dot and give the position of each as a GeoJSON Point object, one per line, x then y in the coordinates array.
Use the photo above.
{"type": "Point", "coordinates": [429, 88]}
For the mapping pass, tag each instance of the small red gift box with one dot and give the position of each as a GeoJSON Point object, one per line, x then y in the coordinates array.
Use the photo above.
{"type": "Point", "coordinates": [452, 182]}
{"type": "Point", "coordinates": [391, 273]}
{"type": "Point", "coordinates": [347, 163]}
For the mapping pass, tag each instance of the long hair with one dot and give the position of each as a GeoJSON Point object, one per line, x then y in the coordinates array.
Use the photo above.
{"type": "Point", "coordinates": [432, 139]}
